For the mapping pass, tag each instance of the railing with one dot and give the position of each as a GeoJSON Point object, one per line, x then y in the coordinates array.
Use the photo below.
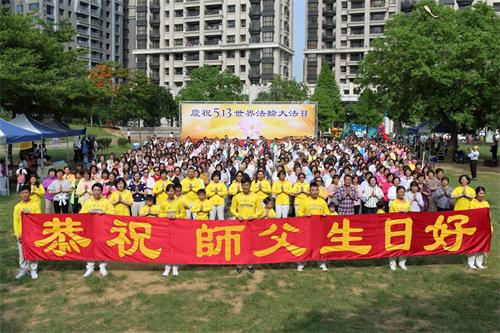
{"type": "Point", "coordinates": [213, 12]}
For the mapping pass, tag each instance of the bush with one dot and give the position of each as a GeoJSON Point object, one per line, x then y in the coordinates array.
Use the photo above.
{"type": "Point", "coordinates": [103, 143]}
{"type": "Point", "coordinates": [122, 142]}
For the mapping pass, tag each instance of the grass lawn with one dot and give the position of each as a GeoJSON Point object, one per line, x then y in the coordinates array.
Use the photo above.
{"type": "Point", "coordinates": [435, 294]}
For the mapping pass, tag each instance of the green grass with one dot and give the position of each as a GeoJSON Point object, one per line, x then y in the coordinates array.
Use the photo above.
{"type": "Point", "coordinates": [97, 131]}
{"type": "Point", "coordinates": [437, 293]}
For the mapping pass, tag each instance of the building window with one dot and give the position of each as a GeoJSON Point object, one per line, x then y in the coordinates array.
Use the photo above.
{"type": "Point", "coordinates": [167, 28]}
{"type": "Point", "coordinates": [267, 36]}
{"type": "Point", "coordinates": [243, 8]}
{"type": "Point", "coordinates": [178, 27]}
{"type": "Point", "coordinates": [230, 68]}
{"type": "Point", "coordinates": [242, 68]}
{"type": "Point", "coordinates": [242, 54]}
{"type": "Point", "coordinates": [268, 21]}
{"type": "Point", "coordinates": [243, 38]}
{"type": "Point", "coordinates": [230, 39]}
{"type": "Point", "coordinates": [141, 30]}
{"type": "Point", "coordinates": [230, 54]}
{"type": "Point", "coordinates": [267, 52]}
{"type": "Point", "coordinates": [33, 6]}
{"type": "Point", "coordinates": [267, 68]}
{"type": "Point", "coordinates": [231, 8]}
{"type": "Point", "coordinates": [178, 42]}
{"type": "Point", "coordinates": [311, 44]}
{"type": "Point", "coordinates": [141, 16]}
{"type": "Point", "coordinates": [178, 56]}
{"type": "Point", "coordinates": [243, 23]}
{"type": "Point", "coordinates": [230, 24]}
{"type": "Point", "coordinates": [167, 14]}
{"type": "Point", "coordinates": [179, 13]}
{"type": "Point", "coordinates": [19, 8]}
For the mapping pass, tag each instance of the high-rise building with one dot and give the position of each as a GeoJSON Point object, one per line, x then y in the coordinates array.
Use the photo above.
{"type": "Point", "coordinates": [99, 25]}
{"type": "Point", "coordinates": [340, 32]}
{"type": "Point", "coordinates": [250, 38]}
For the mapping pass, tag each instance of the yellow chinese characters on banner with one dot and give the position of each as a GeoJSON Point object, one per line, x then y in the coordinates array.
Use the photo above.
{"type": "Point", "coordinates": [62, 237]}
{"type": "Point", "coordinates": [242, 120]}
{"type": "Point", "coordinates": [225, 237]}
{"type": "Point", "coordinates": [281, 241]}
{"type": "Point", "coordinates": [138, 233]}
{"type": "Point", "coordinates": [25, 145]}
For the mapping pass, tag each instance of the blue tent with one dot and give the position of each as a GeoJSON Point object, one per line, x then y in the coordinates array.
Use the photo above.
{"type": "Point", "coordinates": [10, 133]}
{"type": "Point", "coordinates": [36, 126]}
{"type": "Point", "coordinates": [54, 124]}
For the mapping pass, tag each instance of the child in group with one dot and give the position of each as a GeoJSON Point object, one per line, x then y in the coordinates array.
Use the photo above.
{"type": "Point", "coordinates": [476, 260]}
{"type": "Point", "coordinates": [401, 205]}
{"type": "Point", "coordinates": [269, 212]}
{"type": "Point", "coordinates": [150, 209]}
{"type": "Point", "coordinates": [172, 207]}
{"type": "Point", "coordinates": [331, 208]}
{"type": "Point", "coordinates": [25, 205]}
{"type": "Point", "coordinates": [202, 207]}
{"type": "Point", "coordinates": [380, 207]}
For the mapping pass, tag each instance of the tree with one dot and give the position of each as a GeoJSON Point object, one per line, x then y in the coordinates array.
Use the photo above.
{"type": "Point", "coordinates": [284, 91]}
{"type": "Point", "coordinates": [369, 110]}
{"type": "Point", "coordinates": [208, 83]}
{"type": "Point", "coordinates": [443, 67]}
{"type": "Point", "coordinates": [327, 95]}
{"type": "Point", "coordinates": [139, 98]}
{"type": "Point", "coordinates": [37, 75]}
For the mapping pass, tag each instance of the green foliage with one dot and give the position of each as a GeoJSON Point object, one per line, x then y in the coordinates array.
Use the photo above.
{"type": "Point", "coordinates": [37, 75]}
{"type": "Point", "coordinates": [445, 69]}
{"type": "Point", "coordinates": [122, 142]}
{"type": "Point", "coordinates": [369, 110]}
{"type": "Point", "coordinates": [327, 95]}
{"type": "Point", "coordinates": [208, 83]}
{"type": "Point", "coordinates": [103, 142]}
{"type": "Point", "coordinates": [139, 98]}
{"type": "Point", "coordinates": [284, 91]}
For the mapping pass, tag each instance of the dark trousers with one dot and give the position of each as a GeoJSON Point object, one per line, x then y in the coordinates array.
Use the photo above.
{"type": "Point", "coordinates": [60, 208]}
{"type": "Point", "coordinates": [439, 209]}
{"type": "Point", "coordinates": [357, 209]}
{"type": "Point", "coordinates": [473, 168]}
{"type": "Point", "coordinates": [369, 210]}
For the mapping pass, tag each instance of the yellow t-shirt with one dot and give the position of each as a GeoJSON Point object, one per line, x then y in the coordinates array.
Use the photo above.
{"type": "Point", "coordinates": [322, 193]}
{"type": "Point", "coordinates": [333, 213]}
{"type": "Point", "coordinates": [191, 194]}
{"type": "Point", "coordinates": [37, 193]}
{"type": "Point", "coordinates": [235, 188]}
{"type": "Point", "coordinates": [262, 188]}
{"type": "Point", "coordinates": [300, 187]}
{"type": "Point", "coordinates": [479, 204]}
{"type": "Point", "coordinates": [399, 206]}
{"type": "Point", "coordinates": [27, 207]}
{"type": "Point", "coordinates": [102, 205]}
{"type": "Point", "coordinates": [246, 205]}
{"type": "Point", "coordinates": [216, 198]}
{"type": "Point", "coordinates": [146, 210]}
{"type": "Point", "coordinates": [172, 209]}
{"type": "Point", "coordinates": [202, 209]}
{"type": "Point", "coordinates": [310, 206]}
{"type": "Point", "coordinates": [282, 190]}
{"type": "Point", "coordinates": [462, 203]}
{"type": "Point", "coordinates": [380, 211]}
{"type": "Point", "coordinates": [159, 190]}
{"type": "Point", "coordinates": [121, 208]}
{"type": "Point", "coordinates": [268, 214]}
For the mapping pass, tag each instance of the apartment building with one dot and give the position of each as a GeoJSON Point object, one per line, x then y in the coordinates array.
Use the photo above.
{"type": "Point", "coordinates": [250, 38]}
{"type": "Point", "coordinates": [339, 33]}
{"type": "Point", "coordinates": [99, 25]}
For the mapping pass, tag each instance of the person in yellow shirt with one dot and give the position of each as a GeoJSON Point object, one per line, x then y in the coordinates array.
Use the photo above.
{"type": "Point", "coordinates": [281, 190]}
{"type": "Point", "coordinates": [235, 187]}
{"type": "Point", "coordinates": [25, 206]}
{"type": "Point", "coordinates": [323, 194]}
{"type": "Point", "coordinates": [261, 186]}
{"type": "Point", "coordinates": [308, 207]}
{"type": "Point", "coordinates": [190, 187]}
{"type": "Point", "coordinates": [331, 208]}
{"type": "Point", "coordinates": [300, 190]}
{"type": "Point", "coordinates": [246, 206]}
{"type": "Point", "coordinates": [159, 189]}
{"type": "Point", "coordinates": [172, 207]}
{"type": "Point", "coordinates": [179, 196]}
{"type": "Point", "coordinates": [476, 260]}
{"type": "Point", "coordinates": [380, 207]}
{"type": "Point", "coordinates": [216, 192]}
{"type": "Point", "coordinates": [202, 207]}
{"type": "Point", "coordinates": [268, 212]}
{"type": "Point", "coordinates": [399, 205]}
{"type": "Point", "coordinates": [150, 209]}
{"type": "Point", "coordinates": [36, 190]}
{"type": "Point", "coordinates": [97, 204]}
{"type": "Point", "coordinates": [121, 199]}
{"type": "Point", "coordinates": [463, 194]}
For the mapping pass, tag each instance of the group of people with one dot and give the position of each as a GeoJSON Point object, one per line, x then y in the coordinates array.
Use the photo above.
{"type": "Point", "coordinates": [247, 180]}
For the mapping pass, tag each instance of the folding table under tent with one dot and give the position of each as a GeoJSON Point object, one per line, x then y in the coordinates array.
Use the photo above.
{"type": "Point", "coordinates": [9, 134]}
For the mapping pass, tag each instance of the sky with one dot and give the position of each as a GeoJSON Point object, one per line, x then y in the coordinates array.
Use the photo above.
{"type": "Point", "coordinates": [299, 34]}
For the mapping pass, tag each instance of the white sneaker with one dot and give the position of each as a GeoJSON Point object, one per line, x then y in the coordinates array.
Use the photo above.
{"type": "Point", "coordinates": [323, 268]}
{"type": "Point", "coordinates": [21, 274]}
{"type": "Point", "coordinates": [471, 266]}
{"type": "Point", "coordinates": [175, 271]}
{"type": "Point", "coordinates": [392, 265]}
{"type": "Point", "coordinates": [403, 266]}
{"type": "Point", "coordinates": [103, 271]}
{"type": "Point", "coordinates": [34, 275]}
{"type": "Point", "coordinates": [300, 268]}
{"type": "Point", "coordinates": [88, 273]}
{"type": "Point", "coordinates": [166, 272]}
{"type": "Point", "coordinates": [480, 266]}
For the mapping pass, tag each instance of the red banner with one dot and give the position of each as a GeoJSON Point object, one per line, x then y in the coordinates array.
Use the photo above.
{"type": "Point", "coordinates": [148, 239]}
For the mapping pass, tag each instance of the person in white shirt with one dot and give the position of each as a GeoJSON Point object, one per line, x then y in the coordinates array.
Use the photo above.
{"type": "Point", "coordinates": [372, 195]}
{"type": "Point", "coordinates": [148, 180]}
{"type": "Point", "coordinates": [473, 156]}
{"type": "Point", "coordinates": [415, 198]}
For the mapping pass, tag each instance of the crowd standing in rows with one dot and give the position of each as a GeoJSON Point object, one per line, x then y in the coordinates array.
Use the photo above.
{"type": "Point", "coordinates": [247, 180]}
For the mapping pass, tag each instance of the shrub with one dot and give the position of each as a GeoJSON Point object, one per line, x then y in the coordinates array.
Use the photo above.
{"type": "Point", "coordinates": [122, 142]}
{"type": "Point", "coordinates": [103, 143]}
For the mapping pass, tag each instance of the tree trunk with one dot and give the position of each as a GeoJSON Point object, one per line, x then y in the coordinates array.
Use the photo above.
{"type": "Point", "coordinates": [452, 144]}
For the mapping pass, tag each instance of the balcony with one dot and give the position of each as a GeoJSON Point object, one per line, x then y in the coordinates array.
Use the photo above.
{"type": "Point", "coordinates": [254, 57]}
{"type": "Point", "coordinates": [254, 11]}
{"type": "Point", "coordinates": [329, 11]}
{"type": "Point", "coordinates": [328, 24]}
{"type": "Point", "coordinates": [213, 58]}
{"type": "Point", "coordinates": [211, 42]}
{"type": "Point", "coordinates": [254, 75]}
{"type": "Point", "coordinates": [328, 37]}
{"type": "Point", "coordinates": [254, 28]}
{"type": "Point", "coordinates": [192, 58]}
{"type": "Point", "coordinates": [154, 35]}
{"type": "Point", "coordinates": [83, 43]}
{"type": "Point", "coordinates": [154, 5]}
{"type": "Point", "coordinates": [96, 24]}
{"type": "Point", "coordinates": [154, 63]}
{"type": "Point", "coordinates": [95, 12]}
{"type": "Point", "coordinates": [213, 12]}
{"type": "Point", "coordinates": [96, 34]}
{"type": "Point", "coordinates": [192, 14]}
{"type": "Point", "coordinates": [96, 58]}
{"type": "Point", "coordinates": [96, 46]}
{"type": "Point", "coordinates": [96, 2]}
{"type": "Point", "coordinates": [211, 29]}
{"type": "Point", "coordinates": [154, 20]}
{"type": "Point", "coordinates": [82, 21]}
{"type": "Point", "coordinates": [195, 28]}
{"type": "Point", "coordinates": [82, 10]}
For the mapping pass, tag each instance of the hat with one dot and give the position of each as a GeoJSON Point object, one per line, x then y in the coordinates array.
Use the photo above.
{"type": "Point", "coordinates": [475, 147]}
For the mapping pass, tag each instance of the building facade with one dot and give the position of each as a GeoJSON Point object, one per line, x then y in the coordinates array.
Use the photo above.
{"type": "Point", "coordinates": [250, 38]}
{"type": "Point", "coordinates": [99, 25]}
{"type": "Point", "coordinates": [339, 33]}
